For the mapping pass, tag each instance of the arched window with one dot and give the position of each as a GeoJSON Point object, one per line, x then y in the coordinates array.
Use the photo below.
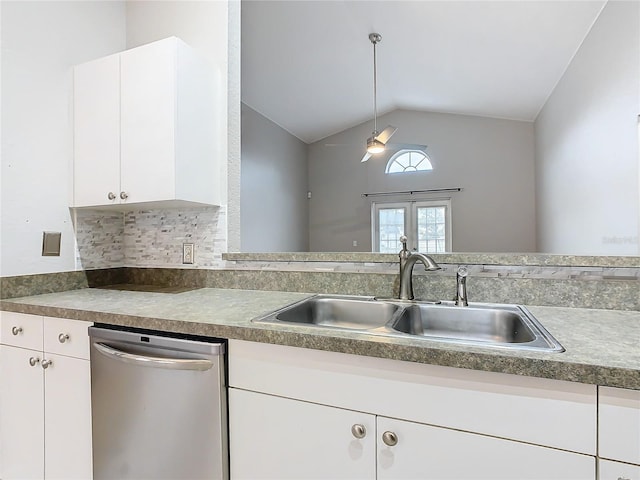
{"type": "Point", "coordinates": [408, 161]}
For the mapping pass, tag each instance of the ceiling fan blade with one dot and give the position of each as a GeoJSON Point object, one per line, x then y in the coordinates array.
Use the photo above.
{"type": "Point", "coordinates": [366, 157]}
{"type": "Point", "coordinates": [386, 134]}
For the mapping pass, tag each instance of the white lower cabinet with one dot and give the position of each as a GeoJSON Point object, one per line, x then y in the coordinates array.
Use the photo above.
{"type": "Point", "coordinates": [619, 422]}
{"type": "Point", "coordinates": [279, 438]}
{"type": "Point", "coordinates": [45, 399]}
{"type": "Point", "coordinates": [67, 419]}
{"type": "Point", "coordinates": [608, 470]}
{"type": "Point", "coordinates": [21, 413]}
{"type": "Point", "coordinates": [427, 452]}
{"type": "Point", "coordinates": [295, 414]}
{"type": "Point", "coordinates": [619, 434]}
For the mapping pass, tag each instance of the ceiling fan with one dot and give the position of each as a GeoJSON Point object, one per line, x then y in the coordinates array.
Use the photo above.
{"type": "Point", "coordinates": [377, 142]}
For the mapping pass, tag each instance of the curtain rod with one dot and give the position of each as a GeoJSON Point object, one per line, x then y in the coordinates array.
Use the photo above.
{"type": "Point", "coordinates": [412, 192]}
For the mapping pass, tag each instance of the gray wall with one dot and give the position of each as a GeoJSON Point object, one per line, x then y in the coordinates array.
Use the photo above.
{"type": "Point", "coordinates": [273, 187]}
{"type": "Point", "coordinates": [587, 158]}
{"type": "Point", "coordinates": [492, 160]}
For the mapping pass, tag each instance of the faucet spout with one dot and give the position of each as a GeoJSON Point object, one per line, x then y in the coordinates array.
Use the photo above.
{"type": "Point", "coordinates": [406, 273]}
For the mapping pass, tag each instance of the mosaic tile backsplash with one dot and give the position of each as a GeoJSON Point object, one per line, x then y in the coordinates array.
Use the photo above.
{"type": "Point", "coordinates": [150, 238]}
{"type": "Point", "coordinates": [99, 239]}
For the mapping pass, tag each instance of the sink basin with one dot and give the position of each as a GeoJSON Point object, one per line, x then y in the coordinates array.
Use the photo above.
{"type": "Point", "coordinates": [480, 323]}
{"type": "Point", "coordinates": [483, 324]}
{"type": "Point", "coordinates": [355, 313]}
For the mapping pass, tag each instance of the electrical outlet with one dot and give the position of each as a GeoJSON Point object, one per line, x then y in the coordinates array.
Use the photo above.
{"type": "Point", "coordinates": [188, 253]}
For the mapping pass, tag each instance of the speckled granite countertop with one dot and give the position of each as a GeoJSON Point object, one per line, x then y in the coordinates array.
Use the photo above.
{"type": "Point", "coordinates": [602, 346]}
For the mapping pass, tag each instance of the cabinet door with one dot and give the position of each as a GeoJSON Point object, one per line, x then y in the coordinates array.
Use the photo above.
{"type": "Point", "coordinates": [22, 414]}
{"type": "Point", "coordinates": [619, 422]}
{"type": "Point", "coordinates": [96, 144]}
{"type": "Point", "coordinates": [617, 471]}
{"type": "Point", "coordinates": [67, 418]}
{"type": "Point", "coordinates": [432, 452]}
{"type": "Point", "coordinates": [148, 118]}
{"type": "Point", "coordinates": [278, 438]}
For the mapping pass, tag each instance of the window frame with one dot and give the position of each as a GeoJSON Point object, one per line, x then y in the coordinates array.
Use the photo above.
{"type": "Point", "coordinates": [375, 219]}
{"type": "Point", "coordinates": [411, 221]}
{"type": "Point", "coordinates": [408, 151]}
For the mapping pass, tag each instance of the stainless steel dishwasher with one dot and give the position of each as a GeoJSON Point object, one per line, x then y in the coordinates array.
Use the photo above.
{"type": "Point", "coordinates": [159, 406]}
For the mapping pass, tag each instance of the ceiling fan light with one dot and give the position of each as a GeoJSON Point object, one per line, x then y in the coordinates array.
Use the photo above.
{"type": "Point", "coordinates": [374, 146]}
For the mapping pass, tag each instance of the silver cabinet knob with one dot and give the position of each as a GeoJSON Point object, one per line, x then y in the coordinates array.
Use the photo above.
{"type": "Point", "coordinates": [16, 330]}
{"type": "Point", "coordinates": [124, 195]}
{"type": "Point", "coordinates": [390, 438]}
{"type": "Point", "coordinates": [33, 361]}
{"type": "Point", "coordinates": [63, 337]}
{"type": "Point", "coordinates": [46, 363]}
{"type": "Point", "coordinates": [358, 430]}
{"type": "Point", "coordinates": [111, 196]}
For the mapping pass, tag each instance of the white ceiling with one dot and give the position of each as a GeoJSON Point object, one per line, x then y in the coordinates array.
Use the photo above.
{"type": "Point", "coordinates": [308, 65]}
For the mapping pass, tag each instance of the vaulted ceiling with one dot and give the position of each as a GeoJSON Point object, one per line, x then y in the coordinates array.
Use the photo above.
{"type": "Point", "coordinates": [308, 65]}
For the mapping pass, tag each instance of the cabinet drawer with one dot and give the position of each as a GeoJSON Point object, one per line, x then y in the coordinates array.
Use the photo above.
{"type": "Point", "coordinates": [617, 471]}
{"type": "Point", "coordinates": [66, 337]}
{"type": "Point", "coordinates": [619, 421]}
{"type": "Point", "coordinates": [21, 330]}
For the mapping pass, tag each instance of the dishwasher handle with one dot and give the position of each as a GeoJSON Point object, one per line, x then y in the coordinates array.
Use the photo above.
{"type": "Point", "coordinates": [155, 362]}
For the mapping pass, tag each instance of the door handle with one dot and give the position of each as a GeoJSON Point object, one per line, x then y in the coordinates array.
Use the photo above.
{"type": "Point", "coordinates": [155, 362]}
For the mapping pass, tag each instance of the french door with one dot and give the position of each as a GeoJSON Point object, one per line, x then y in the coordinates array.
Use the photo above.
{"type": "Point", "coordinates": [426, 224]}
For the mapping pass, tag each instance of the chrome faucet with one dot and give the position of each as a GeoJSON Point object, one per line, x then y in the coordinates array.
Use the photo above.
{"type": "Point", "coordinates": [407, 262]}
{"type": "Point", "coordinates": [461, 287]}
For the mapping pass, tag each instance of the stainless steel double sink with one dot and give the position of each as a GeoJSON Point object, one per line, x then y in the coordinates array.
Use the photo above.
{"type": "Point", "coordinates": [480, 324]}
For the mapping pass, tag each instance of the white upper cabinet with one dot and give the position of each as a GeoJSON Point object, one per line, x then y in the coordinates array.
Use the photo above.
{"type": "Point", "coordinates": [145, 128]}
{"type": "Point", "coordinates": [97, 131]}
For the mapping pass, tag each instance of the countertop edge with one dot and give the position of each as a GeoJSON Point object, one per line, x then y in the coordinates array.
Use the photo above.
{"type": "Point", "coordinates": [373, 347]}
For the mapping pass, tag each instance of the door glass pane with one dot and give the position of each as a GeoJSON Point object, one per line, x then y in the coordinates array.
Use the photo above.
{"type": "Point", "coordinates": [391, 228]}
{"type": "Point", "coordinates": [431, 229]}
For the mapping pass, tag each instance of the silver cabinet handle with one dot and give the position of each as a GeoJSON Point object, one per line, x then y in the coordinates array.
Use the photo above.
{"type": "Point", "coordinates": [16, 330]}
{"type": "Point", "coordinates": [157, 362]}
{"type": "Point", "coordinates": [63, 337]}
{"type": "Point", "coordinates": [358, 430]}
{"type": "Point", "coordinates": [33, 361]}
{"type": "Point", "coordinates": [111, 196]}
{"type": "Point", "coordinates": [46, 363]}
{"type": "Point", "coordinates": [390, 438]}
{"type": "Point", "coordinates": [623, 478]}
{"type": "Point", "coordinates": [124, 195]}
